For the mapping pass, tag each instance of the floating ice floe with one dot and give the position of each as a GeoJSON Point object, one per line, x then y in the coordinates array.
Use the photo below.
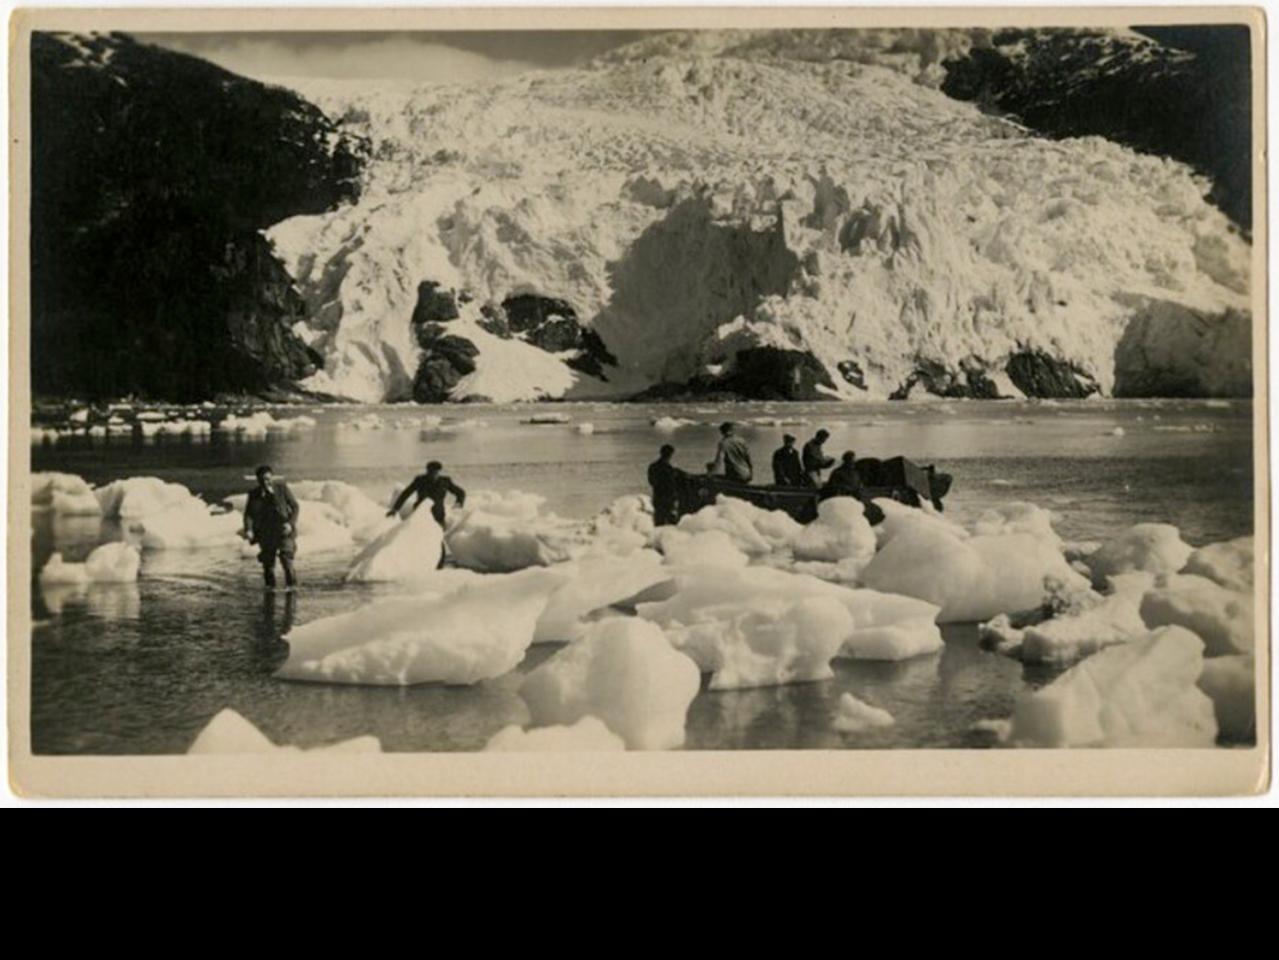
{"type": "Point", "coordinates": [633, 512]}
{"type": "Point", "coordinates": [499, 533]}
{"type": "Point", "coordinates": [261, 423]}
{"type": "Point", "coordinates": [1017, 517]}
{"type": "Point", "coordinates": [855, 716]}
{"type": "Point", "coordinates": [1230, 682]}
{"type": "Point", "coordinates": [188, 525]}
{"type": "Point", "coordinates": [454, 635]}
{"type": "Point", "coordinates": [586, 429]}
{"type": "Point", "coordinates": [1230, 564]}
{"type": "Point", "coordinates": [588, 735]}
{"type": "Point", "coordinates": [671, 424]}
{"type": "Point", "coordinates": [230, 733]}
{"type": "Point", "coordinates": [593, 583]}
{"type": "Point", "coordinates": [970, 578]}
{"type": "Point", "coordinates": [885, 627]}
{"type": "Point", "coordinates": [409, 550]}
{"type": "Point", "coordinates": [1146, 547]}
{"type": "Point", "coordinates": [359, 513]}
{"type": "Point", "coordinates": [709, 548]}
{"type": "Point", "coordinates": [1222, 618]}
{"type": "Point", "coordinates": [1140, 694]}
{"type": "Point", "coordinates": [840, 533]}
{"type": "Point", "coordinates": [753, 530]}
{"type": "Point", "coordinates": [109, 563]}
{"type": "Point", "coordinates": [624, 672]}
{"type": "Point", "coordinates": [140, 496]}
{"type": "Point", "coordinates": [765, 642]}
{"type": "Point", "coordinates": [548, 418]}
{"type": "Point", "coordinates": [64, 493]}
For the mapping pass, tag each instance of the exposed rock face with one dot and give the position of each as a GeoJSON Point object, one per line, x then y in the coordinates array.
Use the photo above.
{"type": "Point", "coordinates": [433, 304]}
{"type": "Point", "coordinates": [152, 175]}
{"type": "Point", "coordinates": [755, 373]}
{"type": "Point", "coordinates": [1182, 92]}
{"type": "Point", "coordinates": [552, 325]}
{"type": "Point", "coordinates": [1038, 374]}
{"type": "Point", "coordinates": [940, 381]}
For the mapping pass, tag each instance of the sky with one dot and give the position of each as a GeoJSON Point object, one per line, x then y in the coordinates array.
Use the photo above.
{"type": "Point", "coordinates": [436, 56]}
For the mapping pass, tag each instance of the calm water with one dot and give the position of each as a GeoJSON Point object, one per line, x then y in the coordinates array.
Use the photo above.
{"type": "Point", "coordinates": [142, 668]}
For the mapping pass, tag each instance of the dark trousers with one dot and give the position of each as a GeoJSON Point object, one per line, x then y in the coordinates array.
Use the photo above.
{"type": "Point", "coordinates": [268, 556]}
{"type": "Point", "coordinates": [665, 512]}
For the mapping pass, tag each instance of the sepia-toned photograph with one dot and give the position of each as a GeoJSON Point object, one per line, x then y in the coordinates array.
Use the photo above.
{"type": "Point", "coordinates": [731, 388]}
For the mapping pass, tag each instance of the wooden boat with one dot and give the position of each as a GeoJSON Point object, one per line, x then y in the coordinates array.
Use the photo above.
{"type": "Point", "coordinates": [894, 479]}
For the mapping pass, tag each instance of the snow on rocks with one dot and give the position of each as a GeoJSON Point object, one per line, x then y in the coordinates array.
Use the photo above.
{"type": "Point", "coordinates": [765, 642]}
{"type": "Point", "coordinates": [624, 672]}
{"type": "Point", "coordinates": [1230, 682]}
{"type": "Point", "coordinates": [971, 579]}
{"type": "Point", "coordinates": [588, 735]}
{"type": "Point", "coordinates": [64, 493]}
{"type": "Point", "coordinates": [1147, 547]}
{"type": "Point", "coordinates": [1223, 619]}
{"type": "Point", "coordinates": [407, 551]}
{"type": "Point", "coordinates": [855, 716]}
{"type": "Point", "coordinates": [1140, 694]}
{"type": "Point", "coordinates": [460, 629]}
{"type": "Point", "coordinates": [230, 733]}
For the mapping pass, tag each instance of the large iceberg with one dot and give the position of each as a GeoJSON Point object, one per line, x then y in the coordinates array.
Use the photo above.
{"type": "Point", "coordinates": [624, 672]}
{"type": "Point", "coordinates": [1140, 694]}
{"type": "Point", "coordinates": [452, 634]}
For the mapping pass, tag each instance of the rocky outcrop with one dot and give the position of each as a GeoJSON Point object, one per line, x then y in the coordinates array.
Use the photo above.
{"type": "Point", "coordinates": [445, 361]}
{"type": "Point", "coordinates": [1040, 375]}
{"type": "Point", "coordinates": [552, 325]}
{"type": "Point", "coordinates": [1181, 92]}
{"type": "Point", "coordinates": [754, 373]}
{"type": "Point", "coordinates": [935, 378]}
{"type": "Point", "coordinates": [152, 175]}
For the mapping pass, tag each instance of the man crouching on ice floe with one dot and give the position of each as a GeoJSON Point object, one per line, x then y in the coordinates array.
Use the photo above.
{"type": "Point", "coordinates": [270, 521]}
{"type": "Point", "coordinates": [431, 485]}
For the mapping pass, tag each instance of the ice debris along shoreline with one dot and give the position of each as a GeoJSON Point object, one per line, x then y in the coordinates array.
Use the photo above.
{"type": "Point", "coordinates": [1155, 637]}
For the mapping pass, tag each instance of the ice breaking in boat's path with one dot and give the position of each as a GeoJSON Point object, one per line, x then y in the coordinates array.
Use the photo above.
{"type": "Point", "coordinates": [1090, 584]}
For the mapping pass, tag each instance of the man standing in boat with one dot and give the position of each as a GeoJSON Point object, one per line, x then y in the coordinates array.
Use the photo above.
{"type": "Point", "coordinates": [787, 470]}
{"type": "Point", "coordinates": [434, 486]}
{"type": "Point", "coordinates": [663, 478]}
{"type": "Point", "coordinates": [271, 521]}
{"type": "Point", "coordinates": [815, 459]}
{"type": "Point", "coordinates": [733, 457]}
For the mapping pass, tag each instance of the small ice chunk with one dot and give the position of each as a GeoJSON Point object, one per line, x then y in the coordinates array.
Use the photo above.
{"type": "Point", "coordinates": [1018, 517]}
{"type": "Point", "coordinates": [671, 424]}
{"type": "Point", "coordinates": [1223, 619]}
{"type": "Point", "coordinates": [500, 533]}
{"type": "Point", "coordinates": [229, 733]}
{"type": "Point", "coordinates": [1230, 563]}
{"type": "Point", "coordinates": [479, 628]}
{"type": "Point", "coordinates": [1231, 684]}
{"type": "Point", "coordinates": [623, 671]}
{"type": "Point", "coordinates": [546, 418]}
{"type": "Point", "coordinates": [586, 429]}
{"type": "Point", "coordinates": [766, 642]}
{"type": "Point", "coordinates": [855, 716]}
{"type": "Point", "coordinates": [188, 525]}
{"type": "Point", "coordinates": [754, 531]}
{"type": "Point", "coordinates": [113, 563]}
{"type": "Point", "coordinates": [588, 735]}
{"type": "Point", "coordinates": [141, 496]}
{"type": "Point", "coordinates": [57, 572]}
{"type": "Point", "coordinates": [710, 548]}
{"type": "Point", "coordinates": [409, 550]}
{"type": "Point", "coordinates": [594, 583]}
{"type": "Point", "coordinates": [840, 532]}
{"type": "Point", "coordinates": [64, 493]}
{"type": "Point", "coordinates": [1140, 694]}
{"type": "Point", "coordinates": [1148, 547]}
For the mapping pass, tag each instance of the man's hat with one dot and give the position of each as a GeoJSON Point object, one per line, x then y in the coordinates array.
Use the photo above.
{"type": "Point", "coordinates": [787, 438]}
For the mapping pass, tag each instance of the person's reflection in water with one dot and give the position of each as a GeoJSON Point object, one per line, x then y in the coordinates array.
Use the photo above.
{"type": "Point", "coordinates": [273, 631]}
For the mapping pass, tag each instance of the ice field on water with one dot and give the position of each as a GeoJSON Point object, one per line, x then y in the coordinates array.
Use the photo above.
{"type": "Point", "coordinates": [144, 666]}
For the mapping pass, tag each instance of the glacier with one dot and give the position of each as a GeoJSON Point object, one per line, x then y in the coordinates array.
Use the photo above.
{"type": "Point", "coordinates": [762, 215]}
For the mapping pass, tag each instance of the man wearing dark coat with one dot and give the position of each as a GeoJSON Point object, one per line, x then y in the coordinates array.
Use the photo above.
{"type": "Point", "coordinates": [434, 486]}
{"type": "Point", "coordinates": [815, 459]}
{"type": "Point", "coordinates": [787, 469]}
{"type": "Point", "coordinates": [271, 521]}
{"type": "Point", "coordinates": [662, 476]}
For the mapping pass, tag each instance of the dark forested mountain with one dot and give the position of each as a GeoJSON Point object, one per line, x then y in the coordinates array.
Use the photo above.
{"type": "Point", "coordinates": [152, 174]}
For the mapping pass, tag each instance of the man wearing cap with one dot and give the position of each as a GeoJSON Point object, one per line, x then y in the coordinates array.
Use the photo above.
{"type": "Point", "coordinates": [815, 459]}
{"type": "Point", "coordinates": [271, 521]}
{"type": "Point", "coordinates": [787, 470]}
{"type": "Point", "coordinates": [733, 457]}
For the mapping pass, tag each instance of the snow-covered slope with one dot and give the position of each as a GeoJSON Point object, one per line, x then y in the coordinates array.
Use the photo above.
{"type": "Point", "coordinates": [752, 214]}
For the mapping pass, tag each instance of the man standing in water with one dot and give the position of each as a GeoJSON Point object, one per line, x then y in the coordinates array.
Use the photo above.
{"type": "Point", "coordinates": [662, 476]}
{"type": "Point", "coordinates": [433, 486]}
{"type": "Point", "coordinates": [787, 471]}
{"type": "Point", "coordinates": [270, 521]}
{"type": "Point", "coordinates": [815, 459]}
{"type": "Point", "coordinates": [733, 457]}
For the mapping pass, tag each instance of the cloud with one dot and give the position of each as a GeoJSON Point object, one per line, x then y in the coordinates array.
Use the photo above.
{"type": "Point", "coordinates": [404, 58]}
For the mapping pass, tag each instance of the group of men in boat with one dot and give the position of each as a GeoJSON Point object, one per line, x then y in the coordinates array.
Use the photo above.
{"type": "Point", "coordinates": [791, 468]}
